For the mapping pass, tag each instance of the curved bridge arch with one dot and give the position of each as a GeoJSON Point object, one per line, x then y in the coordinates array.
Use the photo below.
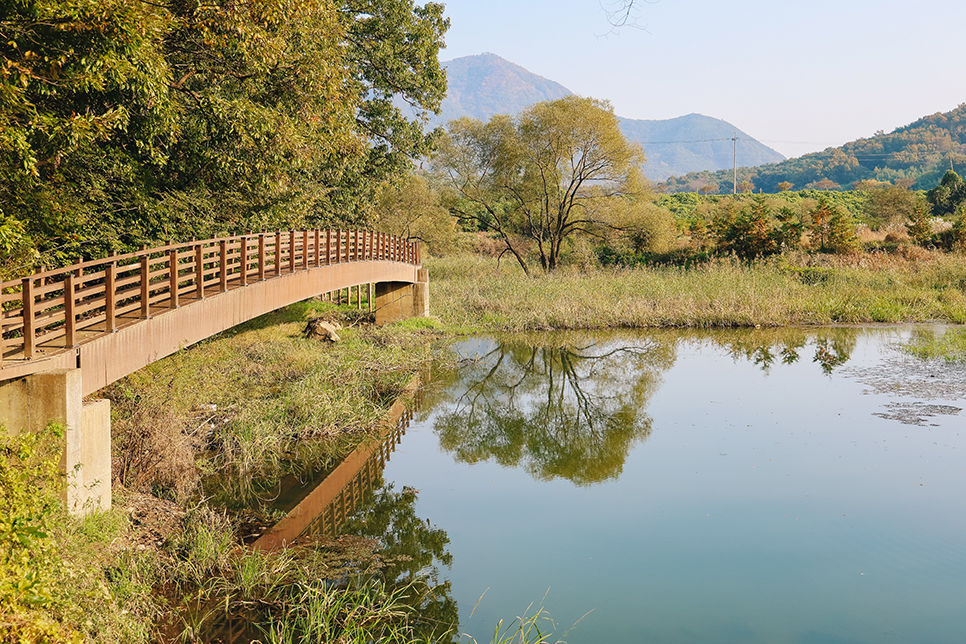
{"type": "Point", "coordinates": [113, 316]}
{"type": "Point", "coordinates": [69, 332]}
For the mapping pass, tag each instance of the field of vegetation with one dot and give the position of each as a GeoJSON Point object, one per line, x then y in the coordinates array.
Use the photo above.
{"type": "Point", "coordinates": [794, 289]}
{"type": "Point", "coordinates": [200, 435]}
{"type": "Point", "coordinates": [170, 123]}
{"type": "Point", "coordinates": [198, 438]}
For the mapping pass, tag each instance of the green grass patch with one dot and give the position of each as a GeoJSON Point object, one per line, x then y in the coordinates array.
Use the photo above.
{"type": "Point", "coordinates": [64, 580]}
{"type": "Point", "coordinates": [478, 293]}
{"type": "Point", "coordinates": [235, 413]}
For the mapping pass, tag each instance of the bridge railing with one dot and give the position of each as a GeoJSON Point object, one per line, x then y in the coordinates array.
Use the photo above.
{"type": "Point", "coordinates": [57, 309]}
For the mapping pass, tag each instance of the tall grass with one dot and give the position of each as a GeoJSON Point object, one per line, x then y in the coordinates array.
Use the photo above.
{"type": "Point", "coordinates": [256, 402]}
{"type": "Point", "coordinates": [312, 612]}
{"type": "Point", "coordinates": [474, 292]}
{"type": "Point", "coordinates": [64, 580]}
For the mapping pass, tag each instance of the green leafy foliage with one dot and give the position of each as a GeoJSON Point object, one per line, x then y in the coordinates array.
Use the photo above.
{"type": "Point", "coordinates": [754, 231]}
{"type": "Point", "coordinates": [832, 229]}
{"type": "Point", "coordinates": [30, 483]}
{"type": "Point", "coordinates": [690, 206]}
{"type": "Point", "coordinates": [127, 122]}
{"type": "Point", "coordinates": [919, 226]}
{"type": "Point", "coordinates": [560, 170]}
{"type": "Point", "coordinates": [890, 204]}
{"type": "Point", "coordinates": [412, 208]}
{"type": "Point", "coordinates": [945, 198]}
{"type": "Point", "coordinates": [29, 493]}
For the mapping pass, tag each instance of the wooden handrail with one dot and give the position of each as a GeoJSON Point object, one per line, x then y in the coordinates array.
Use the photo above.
{"type": "Point", "coordinates": [88, 297]}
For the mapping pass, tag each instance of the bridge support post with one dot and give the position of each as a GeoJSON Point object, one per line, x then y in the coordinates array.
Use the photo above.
{"type": "Point", "coordinates": [394, 302]}
{"type": "Point", "coordinates": [421, 294]}
{"type": "Point", "coordinates": [402, 300]}
{"type": "Point", "coordinates": [32, 402]}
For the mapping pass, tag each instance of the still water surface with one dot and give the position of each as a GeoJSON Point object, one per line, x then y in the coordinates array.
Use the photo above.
{"type": "Point", "coordinates": [800, 486]}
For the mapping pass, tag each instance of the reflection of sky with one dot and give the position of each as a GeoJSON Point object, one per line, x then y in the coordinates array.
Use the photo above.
{"type": "Point", "coordinates": [763, 508]}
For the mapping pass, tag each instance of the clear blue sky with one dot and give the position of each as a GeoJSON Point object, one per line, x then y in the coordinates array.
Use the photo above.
{"type": "Point", "coordinates": [798, 76]}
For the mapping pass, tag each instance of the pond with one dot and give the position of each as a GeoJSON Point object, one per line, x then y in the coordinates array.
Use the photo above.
{"type": "Point", "coordinates": [800, 486]}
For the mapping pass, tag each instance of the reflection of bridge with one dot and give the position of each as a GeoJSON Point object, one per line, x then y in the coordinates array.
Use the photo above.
{"type": "Point", "coordinates": [323, 510]}
{"type": "Point", "coordinates": [68, 332]}
{"type": "Point", "coordinates": [317, 516]}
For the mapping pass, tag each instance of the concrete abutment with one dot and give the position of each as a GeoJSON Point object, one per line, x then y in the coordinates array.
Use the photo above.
{"type": "Point", "coordinates": [402, 300]}
{"type": "Point", "coordinates": [33, 402]}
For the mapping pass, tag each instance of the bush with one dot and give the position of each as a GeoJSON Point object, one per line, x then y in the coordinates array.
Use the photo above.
{"type": "Point", "coordinates": [30, 484]}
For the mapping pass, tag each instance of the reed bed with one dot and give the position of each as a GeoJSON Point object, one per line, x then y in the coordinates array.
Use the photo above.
{"type": "Point", "coordinates": [476, 293]}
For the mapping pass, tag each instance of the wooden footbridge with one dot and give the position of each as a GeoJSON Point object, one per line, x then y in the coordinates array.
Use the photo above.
{"type": "Point", "coordinates": [68, 332]}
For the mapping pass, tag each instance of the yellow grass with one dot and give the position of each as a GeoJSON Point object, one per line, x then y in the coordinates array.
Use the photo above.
{"type": "Point", "coordinates": [475, 292]}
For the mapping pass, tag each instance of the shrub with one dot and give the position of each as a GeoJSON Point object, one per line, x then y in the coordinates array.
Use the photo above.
{"type": "Point", "coordinates": [30, 484]}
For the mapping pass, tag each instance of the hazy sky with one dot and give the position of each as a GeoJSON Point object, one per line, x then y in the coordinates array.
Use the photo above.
{"type": "Point", "coordinates": [798, 76]}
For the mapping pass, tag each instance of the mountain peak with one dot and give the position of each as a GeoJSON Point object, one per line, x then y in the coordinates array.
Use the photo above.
{"type": "Point", "coordinates": [486, 84]}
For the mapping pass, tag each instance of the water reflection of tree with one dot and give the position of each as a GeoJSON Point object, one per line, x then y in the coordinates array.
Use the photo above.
{"type": "Point", "coordinates": [559, 406]}
{"type": "Point", "coordinates": [832, 347]}
{"type": "Point", "coordinates": [411, 552]}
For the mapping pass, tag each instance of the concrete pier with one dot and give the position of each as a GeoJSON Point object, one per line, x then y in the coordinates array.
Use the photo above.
{"type": "Point", "coordinates": [32, 402]}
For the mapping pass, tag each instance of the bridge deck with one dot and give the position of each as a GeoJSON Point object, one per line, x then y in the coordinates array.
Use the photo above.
{"type": "Point", "coordinates": [116, 315]}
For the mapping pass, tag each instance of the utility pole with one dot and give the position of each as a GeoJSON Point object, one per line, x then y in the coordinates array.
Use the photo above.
{"type": "Point", "coordinates": [735, 178]}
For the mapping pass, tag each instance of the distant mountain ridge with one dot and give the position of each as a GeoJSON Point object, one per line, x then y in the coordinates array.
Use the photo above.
{"type": "Point", "coordinates": [483, 85]}
{"type": "Point", "coordinates": [694, 141]}
{"type": "Point", "coordinates": [916, 155]}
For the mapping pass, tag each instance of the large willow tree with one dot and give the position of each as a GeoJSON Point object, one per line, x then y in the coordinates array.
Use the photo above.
{"type": "Point", "coordinates": [125, 122]}
{"type": "Point", "coordinates": [561, 168]}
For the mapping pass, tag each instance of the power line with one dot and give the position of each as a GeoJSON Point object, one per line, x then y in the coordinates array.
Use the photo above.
{"type": "Point", "coordinates": [694, 141]}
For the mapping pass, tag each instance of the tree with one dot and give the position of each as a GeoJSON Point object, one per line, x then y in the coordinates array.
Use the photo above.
{"type": "Point", "coordinates": [754, 231]}
{"type": "Point", "coordinates": [622, 13]}
{"type": "Point", "coordinates": [561, 168]}
{"type": "Point", "coordinates": [125, 122]}
{"type": "Point", "coordinates": [411, 208]}
{"type": "Point", "coordinates": [919, 226]}
{"type": "Point", "coordinates": [826, 184]}
{"type": "Point", "coordinates": [392, 51]}
{"type": "Point", "coordinates": [267, 115]}
{"type": "Point", "coordinates": [950, 193]}
{"type": "Point", "coordinates": [785, 186]}
{"type": "Point", "coordinates": [83, 105]}
{"type": "Point", "coordinates": [834, 229]}
{"type": "Point", "coordinates": [890, 204]}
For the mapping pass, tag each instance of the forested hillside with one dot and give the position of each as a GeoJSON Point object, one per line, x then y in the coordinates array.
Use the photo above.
{"type": "Point", "coordinates": [125, 122]}
{"type": "Point", "coordinates": [915, 155]}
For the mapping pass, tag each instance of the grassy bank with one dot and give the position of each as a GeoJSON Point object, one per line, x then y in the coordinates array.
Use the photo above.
{"type": "Point", "coordinates": [474, 292]}
{"type": "Point", "coordinates": [258, 402]}
{"type": "Point", "coordinates": [197, 437]}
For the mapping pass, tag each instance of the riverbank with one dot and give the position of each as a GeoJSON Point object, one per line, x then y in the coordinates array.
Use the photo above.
{"type": "Point", "coordinates": [202, 438]}
{"type": "Point", "coordinates": [914, 285]}
{"type": "Point", "coordinates": [201, 441]}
